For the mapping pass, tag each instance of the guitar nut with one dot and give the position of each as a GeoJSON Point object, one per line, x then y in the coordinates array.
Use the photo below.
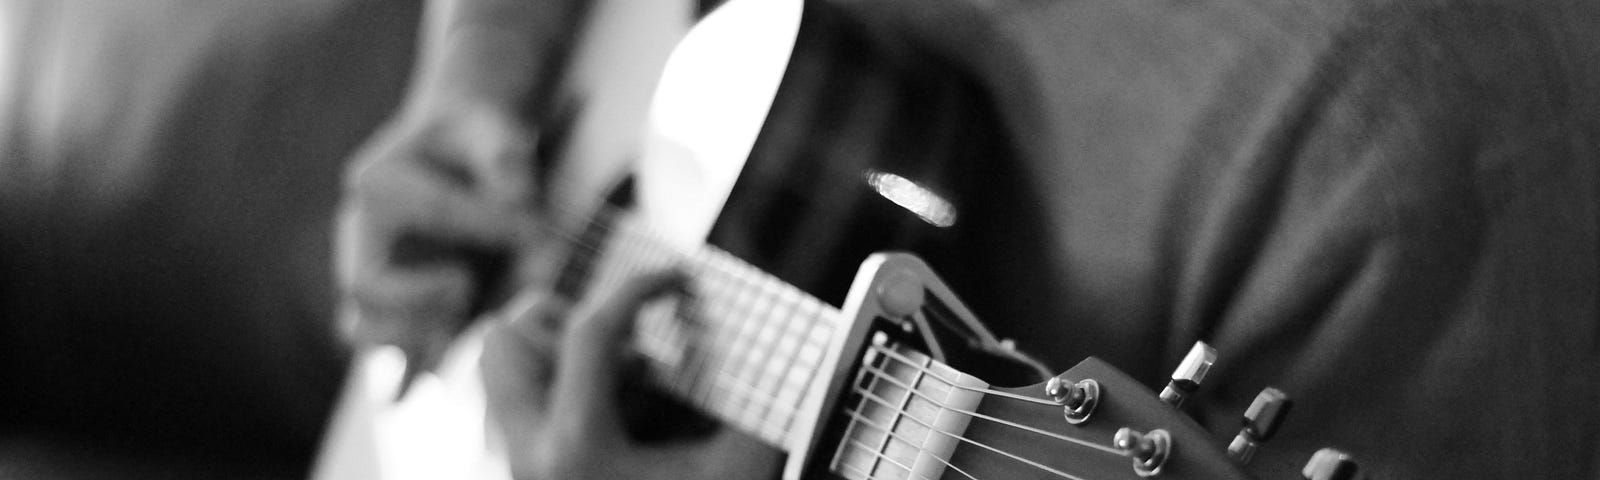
{"type": "Point", "coordinates": [1077, 399]}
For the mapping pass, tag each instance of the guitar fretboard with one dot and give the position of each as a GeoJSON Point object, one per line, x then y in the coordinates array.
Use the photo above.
{"type": "Point", "coordinates": [745, 348]}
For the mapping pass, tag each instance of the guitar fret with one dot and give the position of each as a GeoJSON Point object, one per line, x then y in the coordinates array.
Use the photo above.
{"type": "Point", "coordinates": [843, 456]}
{"type": "Point", "coordinates": [755, 332]}
{"type": "Point", "coordinates": [745, 347]}
{"type": "Point", "coordinates": [910, 410]}
{"type": "Point", "coordinates": [857, 419]}
{"type": "Point", "coordinates": [728, 296]}
{"type": "Point", "coordinates": [741, 320]}
{"type": "Point", "coordinates": [897, 447]}
{"type": "Point", "coordinates": [750, 374]}
{"type": "Point", "coordinates": [785, 359]}
{"type": "Point", "coordinates": [751, 393]}
{"type": "Point", "coordinates": [895, 469]}
{"type": "Point", "coordinates": [750, 326]}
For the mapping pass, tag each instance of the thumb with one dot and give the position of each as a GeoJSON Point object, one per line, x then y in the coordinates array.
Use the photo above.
{"type": "Point", "coordinates": [591, 355]}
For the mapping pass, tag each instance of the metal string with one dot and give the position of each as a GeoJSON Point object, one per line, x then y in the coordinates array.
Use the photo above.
{"type": "Point", "coordinates": [643, 240]}
{"type": "Point", "coordinates": [897, 357]}
{"type": "Point", "coordinates": [889, 431]}
{"type": "Point", "coordinates": [875, 453]}
{"type": "Point", "coordinates": [726, 270]}
{"type": "Point", "coordinates": [1008, 455]}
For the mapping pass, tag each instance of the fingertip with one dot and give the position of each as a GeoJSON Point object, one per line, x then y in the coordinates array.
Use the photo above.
{"type": "Point", "coordinates": [591, 352]}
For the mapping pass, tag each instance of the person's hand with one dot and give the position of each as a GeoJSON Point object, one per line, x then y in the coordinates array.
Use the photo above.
{"type": "Point", "coordinates": [553, 397]}
{"type": "Point", "coordinates": [440, 198]}
{"type": "Point", "coordinates": [436, 204]}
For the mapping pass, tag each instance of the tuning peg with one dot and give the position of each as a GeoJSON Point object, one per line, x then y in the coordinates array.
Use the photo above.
{"type": "Point", "coordinates": [1077, 399]}
{"type": "Point", "coordinates": [1331, 464]}
{"type": "Point", "coordinates": [1186, 378]}
{"type": "Point", "coordinates": [1261, 420]}
{"type": "Point", "coordinates": [1149, 451]}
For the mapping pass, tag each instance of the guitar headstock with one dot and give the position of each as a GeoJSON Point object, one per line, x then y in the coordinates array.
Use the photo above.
{"type": "Point", "coordinates": [910, 409]}
{"type": "Point", "coordinates": [1094, 422]}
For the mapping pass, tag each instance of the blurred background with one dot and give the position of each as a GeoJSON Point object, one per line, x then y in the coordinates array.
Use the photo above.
{"type": "Point", "coordinates": [167, 172]}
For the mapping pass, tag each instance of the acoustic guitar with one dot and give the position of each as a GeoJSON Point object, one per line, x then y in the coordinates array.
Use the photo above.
{"type": "Point", "coordinates": [900, 380]}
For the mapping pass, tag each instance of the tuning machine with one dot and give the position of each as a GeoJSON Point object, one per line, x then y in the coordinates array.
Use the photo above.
{"type": "Point", "coordinates": [1077, 398]}
{"type": "Point", "coordinates": [1190, 372]}
{"type": "Point", "coordinates": [1260, 421]}
{"type": "Point", "coordinates": [1149, 451]}
{"type": "Point", "coordinates": [1331, 464]}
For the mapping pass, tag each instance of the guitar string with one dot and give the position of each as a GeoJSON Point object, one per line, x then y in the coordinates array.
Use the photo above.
{"type": "Point", "coordinates": [1004, 454]}
{"type": "Point", "coordinates": [764, 290]}
{"type": "Point", "coordinates": [867, 475]}
{"type": "Point", "coordinates": [603, 219]}
{"type": "Point", "coordinates": [879, 374]}
{"type": "Point", "coordinates": [776, 415]}
{"type": "Point", "coordinates": [639, 239]}
{"type": "Point", "coordinates": [746, 280]}
{"type": "Point", "coordinates": [875, 398]}
{"type": "Point", "coordinates": [890, 432]}
{"type": "Point", "coordinates": [909, 470]}
{"type": "Point", "coordinates": [986, 391]}
{"type": "Point", "coordinates": [897, 357]}
{"type": "Point", "coordinates": [777, 298]}
{"type": "Point", "coordinates": [723, 377]}
{"type": "Point", "coordinates": [643, 240]}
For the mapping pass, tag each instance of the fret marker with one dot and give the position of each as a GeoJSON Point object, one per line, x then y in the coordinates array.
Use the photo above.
{"type": "Point", "coordinates": [928, 206]}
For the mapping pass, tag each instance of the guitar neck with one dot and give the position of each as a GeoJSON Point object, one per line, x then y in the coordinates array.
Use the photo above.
{"type": "Point", "coordinates": [745, 348]}
{"type": "Point", "coordinates": [748, 347]}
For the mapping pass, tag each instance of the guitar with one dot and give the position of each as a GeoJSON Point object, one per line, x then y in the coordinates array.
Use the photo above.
{"type": "Point", "coordinates": [901, 380]}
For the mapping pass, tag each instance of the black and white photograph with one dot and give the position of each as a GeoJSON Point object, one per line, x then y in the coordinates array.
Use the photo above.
{"type": "Point", "coordinates": [799, 239]}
